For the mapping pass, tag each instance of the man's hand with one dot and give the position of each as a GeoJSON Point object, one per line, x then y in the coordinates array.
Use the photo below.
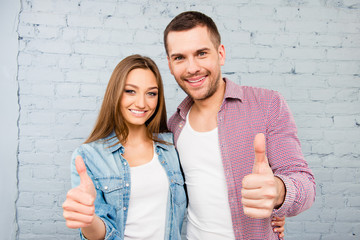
{"type": "Point", "coordinates": [79, 208]}
{"type": "Point", "coordinates": [261, 190]}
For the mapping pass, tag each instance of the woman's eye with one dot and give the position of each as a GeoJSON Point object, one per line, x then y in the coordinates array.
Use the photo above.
{"type": "Point", "coordinates": [153, 94]}
{"type": "Point", "coordinates": [129, 91]}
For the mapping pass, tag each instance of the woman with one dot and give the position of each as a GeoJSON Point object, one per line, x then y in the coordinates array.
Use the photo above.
{"type": "Point", "coordinates": [126, 177]}
{"type": "Point", "coordinates": [129, 149]}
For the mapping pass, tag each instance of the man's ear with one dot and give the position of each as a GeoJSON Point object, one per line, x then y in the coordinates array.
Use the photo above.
{"type": "Point", "coordinates": [222, 54]}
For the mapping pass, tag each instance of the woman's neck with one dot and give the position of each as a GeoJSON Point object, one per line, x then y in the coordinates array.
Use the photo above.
{"type": "Point", "coordinates": [137, 135]}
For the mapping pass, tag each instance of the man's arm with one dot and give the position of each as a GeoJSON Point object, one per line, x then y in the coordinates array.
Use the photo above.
{"type": "Point", "coordinates": [280, 182]}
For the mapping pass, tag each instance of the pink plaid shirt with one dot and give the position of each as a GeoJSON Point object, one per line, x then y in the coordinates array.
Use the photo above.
{"type": "Point", "coordinates": [245, 112]}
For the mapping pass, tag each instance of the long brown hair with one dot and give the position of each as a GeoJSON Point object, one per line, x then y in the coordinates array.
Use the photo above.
{"type": "Point", "coordinates": [189, 20]}
{"type": "Point", "coordinates": [110, 118]}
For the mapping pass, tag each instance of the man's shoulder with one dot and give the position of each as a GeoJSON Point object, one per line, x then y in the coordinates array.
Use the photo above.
{"type": "Point", "coordinates": [251, 93]}
{"type": "Point", "coordinates": [247, 93]}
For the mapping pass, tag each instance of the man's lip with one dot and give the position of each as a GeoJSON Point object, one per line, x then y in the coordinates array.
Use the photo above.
{"type": "Point", "coordinates": [195, 79]}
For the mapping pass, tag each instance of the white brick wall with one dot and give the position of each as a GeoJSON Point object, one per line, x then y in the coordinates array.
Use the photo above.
{"type": "Point", "coordinates": [307, 50]}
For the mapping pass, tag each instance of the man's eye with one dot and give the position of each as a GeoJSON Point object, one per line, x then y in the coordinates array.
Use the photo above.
{"type": "Point", "coordinates": [202, 54]}
{"type": "Point", "coordinates": [178, 58]}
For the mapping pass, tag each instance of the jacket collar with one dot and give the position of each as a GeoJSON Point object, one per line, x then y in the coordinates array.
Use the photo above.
{"type": "Point", "coordinates": [113, 144]}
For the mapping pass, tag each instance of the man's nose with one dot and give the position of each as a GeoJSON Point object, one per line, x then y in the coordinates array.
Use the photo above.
{"type": "Point", "coordinates": [193, 66]}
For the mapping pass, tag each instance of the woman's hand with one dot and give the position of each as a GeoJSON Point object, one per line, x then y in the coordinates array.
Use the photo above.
{"type": "Point", "coordinates": [278, 224]}
{"type": "Point", "coordinates": [79, 208]}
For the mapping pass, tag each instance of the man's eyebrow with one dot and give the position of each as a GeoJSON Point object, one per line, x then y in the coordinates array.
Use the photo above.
{"type": "Point", "coordinates": [203, 49]}
{"type": "Point", "coordinates": [197, 52]}
{"type": "Point", "coordinates": [175, 55]}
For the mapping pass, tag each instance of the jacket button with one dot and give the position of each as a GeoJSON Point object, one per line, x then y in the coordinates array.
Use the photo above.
{"type": "Point", "coordinates": [106, 187]}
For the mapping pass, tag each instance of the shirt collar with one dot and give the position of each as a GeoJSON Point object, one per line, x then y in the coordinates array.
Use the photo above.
{"type": "Point", "coordinates": [112, 143]}
{"type": "Point", "coordinates": [232, 90]}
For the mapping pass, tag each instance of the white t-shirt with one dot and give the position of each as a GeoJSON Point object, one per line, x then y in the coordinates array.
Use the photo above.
{"type": "Point", "coordinates": [209, 215]}
{"type": "Point", "coordinates": [148, 201]}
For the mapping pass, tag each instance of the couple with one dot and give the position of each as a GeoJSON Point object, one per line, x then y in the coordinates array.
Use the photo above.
{"type": "Point", "coordinates": [239, 152]}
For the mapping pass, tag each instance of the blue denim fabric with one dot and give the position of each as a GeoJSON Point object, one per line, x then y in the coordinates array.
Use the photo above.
{"type": "Point", "coordinates": [110, 173]}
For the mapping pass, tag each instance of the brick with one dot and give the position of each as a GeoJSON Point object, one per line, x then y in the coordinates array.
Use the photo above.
{"type": "Point", "coordinates": [98, 35]}
{"type": "Point", "coordinates": [262, 25]}
{"type": "Point", "coordinates": [349, 215]}
{"type": "Point", "coordinates": [54, 6]}
{"type": "Point", "coordinates": [97, 8]}
{"type": "Point", "coordinates": [344, 121]}
{"type": "Point", "coordinates": [343, 54]}
{"type": "Point", "coordinates": [67, 89]}
{"type": "Point", "coordinates": [129, 9]}
{"type": "Point", "coordinates": [97, 49]}
{"type": "Point", "coordinates": [303, 26]}
{"type": "Point", "coordinates": [84, 21]}
{"type": "Point", "coordinates": [318, 228]}
{"type": "Point", "coordinates": [322, 94]}
{"type": "Point", "coordinates": [48, 19]}
{"type": "Point", "coordinates": [50, 46]}
{"type": "Point", "coordinates": [304, 53]}
{"type": "Point", "coordinates": [92, 90]}
{"type": "Point", "coordinates": [353, 201]}
{"type": "Point", "coordinates": [147, 37]}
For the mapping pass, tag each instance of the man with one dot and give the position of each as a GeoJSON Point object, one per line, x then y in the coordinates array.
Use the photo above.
{"type": "Point", "coordinates": [238, 145]}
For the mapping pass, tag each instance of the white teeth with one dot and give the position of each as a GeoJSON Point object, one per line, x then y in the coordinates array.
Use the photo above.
{"type": "Point", "coordinates": [196, 80]}
{"type": "Point", "coordinates": [136, 111]}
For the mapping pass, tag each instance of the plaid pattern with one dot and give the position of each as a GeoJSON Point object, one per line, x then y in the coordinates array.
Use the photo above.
{"type": "Point", "coordinates": [245, 112]}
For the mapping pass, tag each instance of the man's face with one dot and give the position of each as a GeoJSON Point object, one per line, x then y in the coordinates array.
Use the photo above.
{"type": "Point", "coordinates": [195, 62]}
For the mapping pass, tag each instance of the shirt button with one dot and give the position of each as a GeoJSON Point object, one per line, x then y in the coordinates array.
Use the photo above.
{"type": "Point", "coordinates": [106, 187]}
{"type": "Point", "coordinates": [127, 184]}
{"type": "Point", "coordinates": [180, 125]}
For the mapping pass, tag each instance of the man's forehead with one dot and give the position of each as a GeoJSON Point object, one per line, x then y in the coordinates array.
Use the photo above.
{"type": "Point", "coordinates": [188, 40]}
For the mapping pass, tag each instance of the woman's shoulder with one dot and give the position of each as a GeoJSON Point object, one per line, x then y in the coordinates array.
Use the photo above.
{"type": "Point", "coordinates": [167, 137]}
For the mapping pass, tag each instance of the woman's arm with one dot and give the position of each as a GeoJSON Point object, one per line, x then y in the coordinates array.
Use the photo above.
{"type": "Point", "coordinates": [278, 224]}
{"type": "Point", "coordinates": [79, 207]}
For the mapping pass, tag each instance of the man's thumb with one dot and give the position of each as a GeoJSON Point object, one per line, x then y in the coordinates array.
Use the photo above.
{"type": "Point", "coordinates": [259, 148]}
{"type": "Point", "coordinates": [81, 169]}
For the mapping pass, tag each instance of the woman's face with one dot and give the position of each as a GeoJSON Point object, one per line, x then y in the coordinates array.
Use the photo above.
{"type": "Point", "coordinates": [140, 97]}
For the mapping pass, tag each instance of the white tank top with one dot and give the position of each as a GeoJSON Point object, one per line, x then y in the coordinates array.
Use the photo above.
{"type": "Point", "coordinates": [209, 214]}
{"type": "Point", "coordinates": [148, 200]}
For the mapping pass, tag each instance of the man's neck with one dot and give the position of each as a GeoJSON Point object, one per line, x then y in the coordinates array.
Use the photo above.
{"type": "Point", "coordinates": [213, 103]}
{"type": "Point", "coordinates": [203, 114]}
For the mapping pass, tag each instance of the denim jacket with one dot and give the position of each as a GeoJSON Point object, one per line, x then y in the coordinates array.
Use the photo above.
{"type": "Point", "coordinates": [110, 173]}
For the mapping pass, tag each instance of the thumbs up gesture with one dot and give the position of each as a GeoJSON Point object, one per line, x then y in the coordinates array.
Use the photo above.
{"type": "Point", "coordinates": [79, 208]}
{"type": "Point", "coordinates": [261, 190]}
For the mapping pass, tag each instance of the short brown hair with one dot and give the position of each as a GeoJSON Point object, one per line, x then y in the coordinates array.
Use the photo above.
{"type": "Point", "coordinates": [189, 20]}
{"type": "Point", "coordinates": [110, 118]}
